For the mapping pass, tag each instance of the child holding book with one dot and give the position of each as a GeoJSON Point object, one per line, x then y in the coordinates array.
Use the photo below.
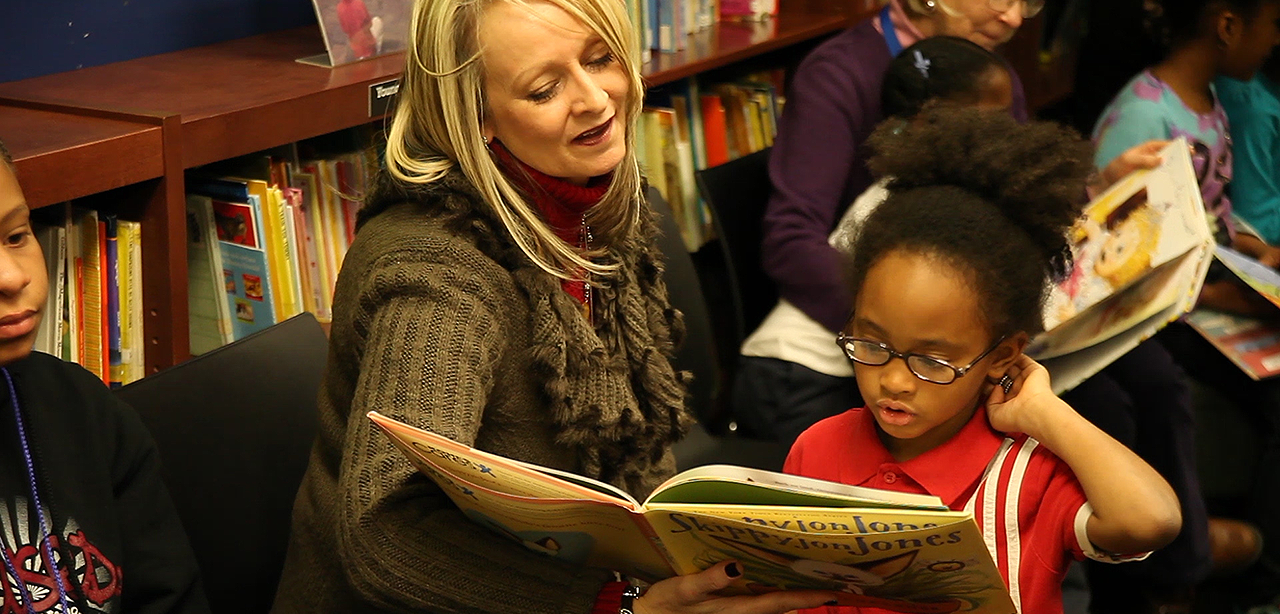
{"type": "Point", "coordinates": [85, 522]}
{"type": "Point", "coordinates": [945, 300]}
{"type": "Point", "coordinates": [1176, 97]}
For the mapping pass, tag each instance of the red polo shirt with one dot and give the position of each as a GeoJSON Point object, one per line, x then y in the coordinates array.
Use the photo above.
{"type": "Point", "coordinates": [1030, 507]}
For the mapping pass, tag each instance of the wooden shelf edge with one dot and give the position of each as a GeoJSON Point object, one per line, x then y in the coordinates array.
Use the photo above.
{"type": "Point", "coordinates": [727, 43]}
{"type": "Point", "coordinates": [62, 154]}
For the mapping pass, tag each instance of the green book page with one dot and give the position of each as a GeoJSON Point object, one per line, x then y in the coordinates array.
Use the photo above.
{"type": "Point", "coordinates": [726, 484]}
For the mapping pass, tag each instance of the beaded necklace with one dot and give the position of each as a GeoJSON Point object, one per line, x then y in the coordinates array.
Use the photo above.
{"type": "Point", "coordinates": [45, 536]}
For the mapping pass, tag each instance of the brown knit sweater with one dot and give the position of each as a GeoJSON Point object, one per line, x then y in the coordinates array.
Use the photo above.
{"type": "Point", "coordinates": [441, 322]}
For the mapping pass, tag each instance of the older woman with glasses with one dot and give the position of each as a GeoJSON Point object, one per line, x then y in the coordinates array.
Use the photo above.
{"type": "Point", "coordinates": [787, 381]}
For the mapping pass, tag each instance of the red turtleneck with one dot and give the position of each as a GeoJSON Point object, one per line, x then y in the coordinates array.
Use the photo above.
{"type": "Point", "coordinates": [562, 204]}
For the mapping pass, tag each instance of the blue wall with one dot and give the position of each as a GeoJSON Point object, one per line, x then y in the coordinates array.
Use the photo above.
{"type": "Point", "coordinates": [38, 37]}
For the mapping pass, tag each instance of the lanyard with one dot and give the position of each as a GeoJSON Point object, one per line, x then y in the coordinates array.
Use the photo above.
{"type": "Point", "coordinates": [890, 34]}
{"type": "Point", "coordinates": [46, 530]}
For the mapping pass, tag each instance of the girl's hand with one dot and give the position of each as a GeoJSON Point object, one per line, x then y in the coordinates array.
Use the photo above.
{"type": "Point", "coordinates": [1019, 410]}
{"type": "Point", "coordinates": [1270, 257]}
{"type": "Point", "coordinates": [1138, 157]}
{"type": "Point", "coordinates": [696, 594]}
{"type": "Point", "coordinates": [1233, 296]}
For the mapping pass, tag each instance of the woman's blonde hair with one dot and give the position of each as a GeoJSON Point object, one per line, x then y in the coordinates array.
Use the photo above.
{"type": "Point", "coordinates": [440, 110]}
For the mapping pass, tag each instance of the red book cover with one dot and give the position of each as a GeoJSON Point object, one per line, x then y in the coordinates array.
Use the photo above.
{"type": "Point", "coordinates": [713, 129]}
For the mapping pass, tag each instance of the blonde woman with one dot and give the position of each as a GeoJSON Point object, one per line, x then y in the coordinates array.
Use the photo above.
{"type": "Point", "coordinates": [503, 290]}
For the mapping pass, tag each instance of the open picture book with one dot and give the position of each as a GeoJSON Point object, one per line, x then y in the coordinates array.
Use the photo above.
{"type": "Point", "coordinates": [897, 551]}
{"type": "Point", "coordinates": [1141, 251]}
{"type": "Point", "coordinates": [1252, 343]}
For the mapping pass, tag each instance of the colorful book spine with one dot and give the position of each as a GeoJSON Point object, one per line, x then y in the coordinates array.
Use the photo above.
{"type": "Point", "coordinates": [92, 295]}
{"type": "Point", "coordinates": [72, 346]}
{"type": "Point", "coordinates": [115, 370]}
{"type": "Point", "coordinates": [53, 242]}
{"type": "Point", "coordinates": [132, 352]}
{"type": "Point", "coordinates": [714, 130]}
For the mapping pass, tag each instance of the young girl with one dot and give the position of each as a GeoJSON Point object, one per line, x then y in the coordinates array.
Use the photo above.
{"type": "Point", "coordinates": [1176, 97]}
{"type": "Point", "coordinates": [85, 523]}
{"type": "Point", "coordinates": [945, 300]}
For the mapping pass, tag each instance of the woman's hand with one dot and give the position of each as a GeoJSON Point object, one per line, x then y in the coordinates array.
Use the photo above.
{"type": "Point", "coordinates": [1020, 410]}
{"type": "Point", "coordinates": [696, 594]}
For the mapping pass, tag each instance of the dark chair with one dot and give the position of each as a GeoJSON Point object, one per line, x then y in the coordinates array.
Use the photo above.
{"type": "Point", "coordinates": [737, 193]}
{"type": "Point", "coordinates": [708, 390]}
{"type": "Point", "coordinates": [738, 292]}
{"type": "Point", "coordinates": [234, 428]}
{"type": "Point", "coordinates": [696, 354]}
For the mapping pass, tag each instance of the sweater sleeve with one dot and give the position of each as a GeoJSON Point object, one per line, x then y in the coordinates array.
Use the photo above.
{"type": "Point", "coordinates": [159, 568]}
{"type": "Point", "coordinates": [429, 360]}
{"type": "Point", "coordinates": [814, 153]}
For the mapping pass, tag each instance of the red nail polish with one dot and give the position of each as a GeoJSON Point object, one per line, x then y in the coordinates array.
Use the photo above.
{"type": "Point", "coordinates": [732, 570]}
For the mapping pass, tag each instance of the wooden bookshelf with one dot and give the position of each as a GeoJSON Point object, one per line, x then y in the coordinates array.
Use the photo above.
{"type": "Point", "coordinates": [63, 156]}
{"type": "Point", "coordinates": [234, 98]}
{"type": "Point", "coordinates": [727, 43]}
{"type": "Point", "coordinates": [126, 131]}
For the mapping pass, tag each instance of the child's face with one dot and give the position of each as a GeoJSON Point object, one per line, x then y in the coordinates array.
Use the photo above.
{"type": "Point", "coordinates": [1250, 48]}
{"type": "Point", "coordinates": [23, 280]}
{"type": "Point", "coordinates": [919, 304]}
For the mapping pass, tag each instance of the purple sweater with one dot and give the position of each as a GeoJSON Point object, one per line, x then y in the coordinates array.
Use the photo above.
{"type": "Point", "coordinates": [818, 167]}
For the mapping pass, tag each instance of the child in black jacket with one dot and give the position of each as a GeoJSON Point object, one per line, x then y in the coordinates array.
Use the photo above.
{"type": "Point", "coordinates": [80, 489]}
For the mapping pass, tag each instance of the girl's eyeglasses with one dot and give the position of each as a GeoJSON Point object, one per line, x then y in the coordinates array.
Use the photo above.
{"type": "Point", "coordinates": [932, 370]}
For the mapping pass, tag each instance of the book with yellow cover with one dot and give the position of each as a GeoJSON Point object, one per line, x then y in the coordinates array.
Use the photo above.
{"type": "Point", "coordinates": [93, 303]}
{"type": "Point", "coordinates": [875, 548]}
{"type": "Point", "coordinates": [132, 333]}
{"type": "Point", "coordinates": [1140, 251]}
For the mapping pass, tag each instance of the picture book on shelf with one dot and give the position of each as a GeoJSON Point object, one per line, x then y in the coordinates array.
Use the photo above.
{"type": "Point", "coordinates": [875, 548]}
{"type": "Point", "coordinates": [1141, 251]}
{"type": "Point", "coordinates": [209, 312]}
{"type": "Point", "coordinates": [237, 220]}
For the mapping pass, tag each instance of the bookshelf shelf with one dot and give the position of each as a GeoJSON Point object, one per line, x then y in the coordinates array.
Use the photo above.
{"type": "Point", "coordinates": [63, 156]}
{"type": "Point", "coordinates": [234, 98]}
{"type": "Point", "coordinates": [727, 43]}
